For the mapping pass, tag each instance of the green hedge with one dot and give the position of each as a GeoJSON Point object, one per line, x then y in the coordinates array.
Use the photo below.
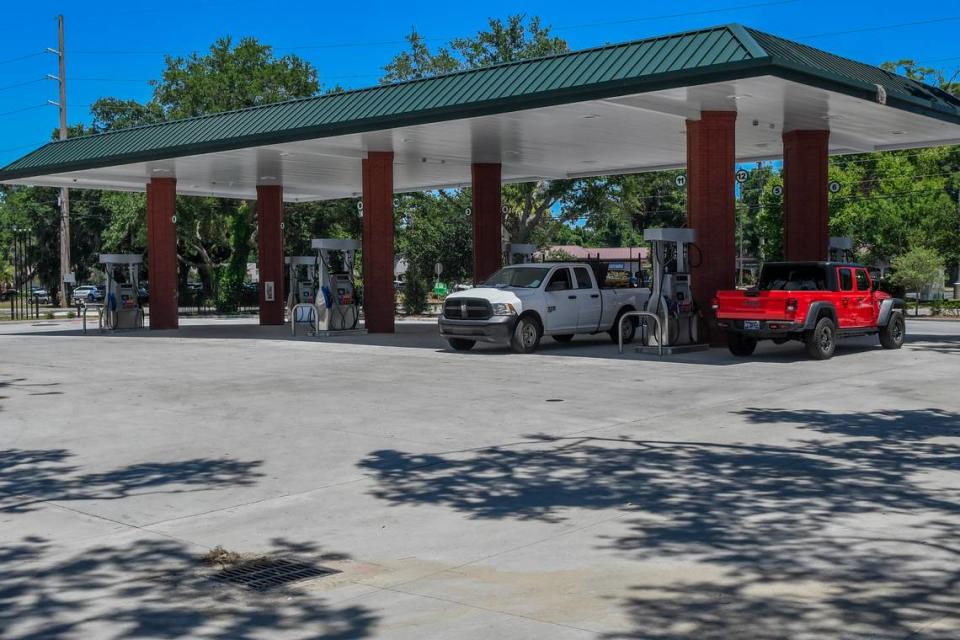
{"type": "Point", "coordinates": [945, 308]}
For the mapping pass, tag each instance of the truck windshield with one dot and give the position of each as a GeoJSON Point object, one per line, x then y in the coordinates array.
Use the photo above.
{"type": "Point", "coordinates": [791, 277]}
{"type": "Point", "coordinates": [526, 277]}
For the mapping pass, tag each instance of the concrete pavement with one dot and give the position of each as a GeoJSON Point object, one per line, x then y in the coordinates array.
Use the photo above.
{"type": "Point", "coordinates": [573, 493]}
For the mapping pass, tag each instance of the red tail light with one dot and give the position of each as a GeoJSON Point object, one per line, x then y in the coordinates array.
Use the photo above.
{"type": "Point", "coordinates": [791, 305]}
{"type": "Point", "coordinates": [715, 304]}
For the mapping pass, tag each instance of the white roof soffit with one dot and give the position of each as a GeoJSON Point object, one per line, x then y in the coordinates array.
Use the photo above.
{"type": "Point", "coordinates": [629, 134]}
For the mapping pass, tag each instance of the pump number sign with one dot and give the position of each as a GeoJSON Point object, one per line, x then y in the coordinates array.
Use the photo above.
{"type": "Point", "coordinates": [741, 176]}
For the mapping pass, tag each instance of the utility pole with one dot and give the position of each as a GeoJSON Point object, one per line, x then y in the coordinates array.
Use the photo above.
{"type": "Point", "coordinates": [64, 192]}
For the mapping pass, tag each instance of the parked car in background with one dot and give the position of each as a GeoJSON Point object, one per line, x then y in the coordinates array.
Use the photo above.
{"type": "Point", "coordinates": [86, 293]}
{"type": "Point", "coordinates": [40, 295]}
{"type": "Point", "coordinates": [7, 294]}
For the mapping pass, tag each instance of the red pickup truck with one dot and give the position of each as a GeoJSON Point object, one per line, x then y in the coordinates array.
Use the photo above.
{"type": "Point", "coordinates": [814, 302]}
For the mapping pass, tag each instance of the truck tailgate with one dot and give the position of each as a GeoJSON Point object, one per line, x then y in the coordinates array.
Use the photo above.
{"type": "Point", "coordinates": [754, 305]}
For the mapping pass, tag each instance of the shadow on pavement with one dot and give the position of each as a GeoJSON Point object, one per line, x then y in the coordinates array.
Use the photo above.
{"type": "Point", "coordinates": [31, 477]}
{"type": "Point", "coordinates": [156, 588]}
{"type": "Point", "coordinates": [854, 535]}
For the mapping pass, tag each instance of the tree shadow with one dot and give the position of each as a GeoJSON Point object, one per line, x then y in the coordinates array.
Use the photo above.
{"type": "Point", "coordinates": [157, 588]}
{"type": "Point", "coordinates": [850, 534]}
{"type": "Point", "coordinates": [31, 477]}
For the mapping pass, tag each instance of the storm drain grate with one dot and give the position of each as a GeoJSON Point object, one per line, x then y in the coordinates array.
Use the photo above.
{"type": "Point", "coordinates": [268, 573]}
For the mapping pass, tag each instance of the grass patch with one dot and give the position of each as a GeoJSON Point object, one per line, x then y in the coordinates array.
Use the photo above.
{"type": "Point", "coordinates": [220, 557]}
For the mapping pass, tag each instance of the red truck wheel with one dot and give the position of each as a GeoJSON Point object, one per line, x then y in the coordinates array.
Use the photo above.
{"type": "Point", "coordinates": [822, 341]}
{"type": "Point", "coordinates": [741, 345]}
{"type": "Point", "coordinates": [892, 335]}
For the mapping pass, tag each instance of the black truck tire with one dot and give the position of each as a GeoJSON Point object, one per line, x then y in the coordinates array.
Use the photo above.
{"type": "Point", "coordinates": [822, 341]}
{"type": "Point", "coordinates": [741, 345]}
{"type": "Point", "coordinates": [892, 335]}
{"type": "Point", "coordinates": [526, 335]}
{"type": "Point", "coordinates": [461, 344]}
{"type": "Point", "coordinates": [629, 329]}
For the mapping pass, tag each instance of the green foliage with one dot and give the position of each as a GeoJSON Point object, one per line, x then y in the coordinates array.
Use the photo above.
{"type": "Point", "coordinates": [232, 277]}
{"type": "Point", "coordinates": [231, 77]}
{"type": "Point", "coordinates": [916, 269]}
{"type": "Point", "coordinates": [519, 38]}
{"type": "Point", "coordinates": [435, 227]}
{"type": "Point", "coordinates": [415, 293]}
{"type": "Point", "coordinates": [950, 308]}
{"type": "Point", "coordinates": [529, 206]}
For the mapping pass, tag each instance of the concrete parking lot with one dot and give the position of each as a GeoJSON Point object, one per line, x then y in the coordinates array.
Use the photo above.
{"type": "Point", "coordinates": [573, 493]}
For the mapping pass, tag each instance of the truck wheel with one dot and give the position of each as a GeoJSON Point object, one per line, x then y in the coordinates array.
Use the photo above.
{"type": "Point", "coordinates": [822, 341]}
{"type": "Point", "coordinates": [892, 335]}
{"type": "Point", "coordinates": [629, 329]}
{"type": "Point", "coordinates": [741, 345]}
{"type": "Point", "coordinates": [565, 337]}
{"type": "Point", "coordinates": [461, 344]}
{"type": "Point", "coordinates": [526, 335]}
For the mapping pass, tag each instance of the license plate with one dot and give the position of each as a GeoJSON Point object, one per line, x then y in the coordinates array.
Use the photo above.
{"type": "Point", "coordinates": [751, 325]}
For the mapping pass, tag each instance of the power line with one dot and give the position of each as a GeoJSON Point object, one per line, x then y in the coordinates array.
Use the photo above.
{"type": "Point", "coordinates": [670, 16]}
{"type": "Point", "coordinates": [880, 27]}
{"type": "Point", "coordinates": [36, 106]}
{"type": "Point", "coordinates": [22, 84]}
{"type": "Point", "coordinates": [23, 57]}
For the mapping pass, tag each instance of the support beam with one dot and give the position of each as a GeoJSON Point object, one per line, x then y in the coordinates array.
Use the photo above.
{"type": "Point", "coordinates": [487, 221]}
{"type": "Point", "coordinates": [378, 230]}
{"type": "Point", "coordinates": [805, 214]}
{"type": "Point", "coordinates": [270, 253]}
{"type": "Point", "coordinates": [162, 250]}
{"type": "Point", "coordinates": [711, 208]}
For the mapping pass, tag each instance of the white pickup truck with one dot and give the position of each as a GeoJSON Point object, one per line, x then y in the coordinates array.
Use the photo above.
{"type": "Point", "coordinates": [522, 303]}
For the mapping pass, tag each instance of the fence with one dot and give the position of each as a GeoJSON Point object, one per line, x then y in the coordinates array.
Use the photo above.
{"type": "Point", "coordinates": [24, 304]}
{"type": "Point", "coordinates": [198, 302]}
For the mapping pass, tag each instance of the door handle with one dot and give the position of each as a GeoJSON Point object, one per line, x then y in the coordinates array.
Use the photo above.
{"type": "Point", "coordinates": [594, 295]}
{"type": "Point", "coordinates": [572, 297]}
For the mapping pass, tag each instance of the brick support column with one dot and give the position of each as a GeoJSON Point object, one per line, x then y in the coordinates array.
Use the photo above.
{"type": "Point", "coordinates": [805, 213]}
{"type": "Point", "coordinates": [487, 241]}
{"type": "Point", "coordinates": [162, 250]}
{"type": "Point", "coordinates": [711, 207]}
{"type": "Point", "coordinates": [378, 229]}
{"type": "Point", "coordinates": [270, 252]}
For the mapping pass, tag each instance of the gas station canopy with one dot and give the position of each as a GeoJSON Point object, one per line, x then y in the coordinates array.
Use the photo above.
{"type": "Point", "coordinates": [610, 110]}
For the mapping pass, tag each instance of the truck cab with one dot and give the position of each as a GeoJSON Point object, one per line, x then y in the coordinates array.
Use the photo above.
{"type": "Point", "coordinates": [522, 303]}
{"type": "Point", "coordinates": [813, 302]}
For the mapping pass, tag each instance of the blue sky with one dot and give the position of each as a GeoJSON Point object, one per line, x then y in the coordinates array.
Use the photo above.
{"type": "Point", "coordinates": [114, 49]}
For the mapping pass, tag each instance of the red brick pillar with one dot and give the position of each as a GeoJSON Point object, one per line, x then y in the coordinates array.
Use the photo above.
{"type": "Point", "coordinates": [378, 295]}
{"type": "Point", "coordinates": [711, 208]}
{"type": "Point", "coordinates": [270, 252]}
{"type": "Point", "coordinates": [487, 242]}
{"type": "Point", "coordinates": [805, 213]}
{"type": "Point", "coordinates": [162, 250]}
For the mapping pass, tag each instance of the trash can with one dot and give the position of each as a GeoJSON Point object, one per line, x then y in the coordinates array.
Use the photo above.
{"type": "Point", "coordinates": [956, 290]}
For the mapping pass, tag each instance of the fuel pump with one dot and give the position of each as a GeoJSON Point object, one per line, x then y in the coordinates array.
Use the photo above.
{"type": "Point", "coordinates": [121, 301]}
{"type": "Point", "coordinates": [671, 294]}
{"type": "Point", "coordinates": [840, 249]}
{"type": "Point", "coordinates": [521, 253]}
{"type": "Point", "coordinates": [335, 297]}
{"type": "Point", "coordinates": [302, 285]}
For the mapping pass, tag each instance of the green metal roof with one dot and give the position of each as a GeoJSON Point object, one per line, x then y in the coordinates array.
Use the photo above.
{"type": "Point", "coordinates": [685, 59]}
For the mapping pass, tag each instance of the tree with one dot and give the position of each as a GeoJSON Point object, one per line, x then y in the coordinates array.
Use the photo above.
{"type": "Point", "coordinates": [916, 269]}
{"type": "Point", "coordinates": [228, 76]}
{"type": "Point", "coordinates": [529, 206]}
{"type": "Point", "coordinates": [434, 227]}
